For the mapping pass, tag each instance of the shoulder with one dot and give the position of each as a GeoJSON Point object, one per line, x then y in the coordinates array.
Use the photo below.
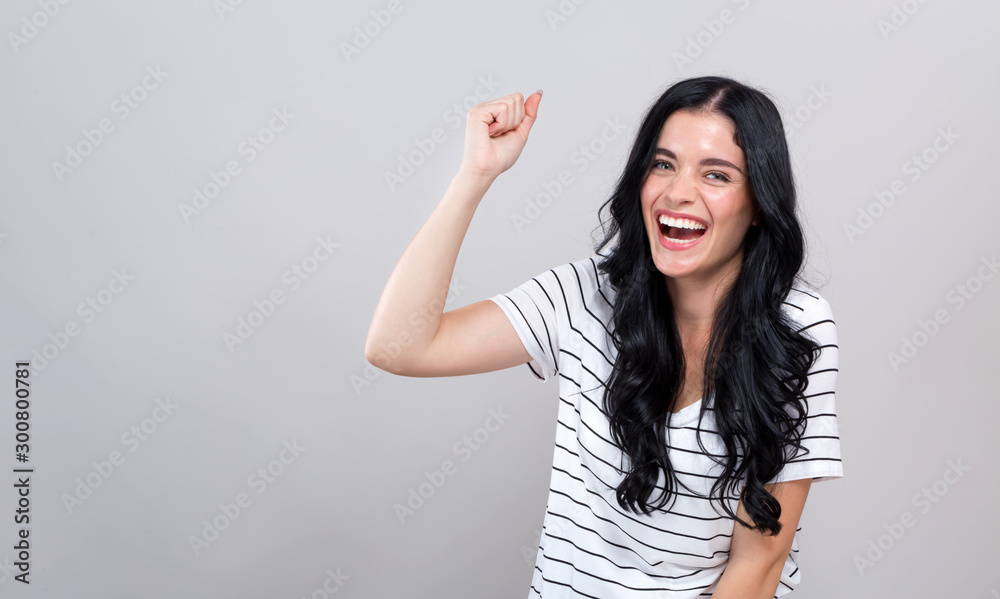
{"type": "Point", "coordinates": [810, 310]}
{"type": "Point", "coordinates": [579, 277]}
{"type": "Point", "coordinates": [578, 287]}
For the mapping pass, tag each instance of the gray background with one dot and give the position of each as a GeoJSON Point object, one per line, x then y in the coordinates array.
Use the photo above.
{"type": "Point", "coordinates": [864, 101]}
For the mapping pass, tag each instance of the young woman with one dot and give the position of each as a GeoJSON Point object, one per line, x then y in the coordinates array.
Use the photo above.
{"type": "Point", "coordinates": [697, 370]}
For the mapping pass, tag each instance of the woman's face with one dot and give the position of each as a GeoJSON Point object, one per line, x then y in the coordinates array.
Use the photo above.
{"type": "Point", "coordinates": [697, 177]}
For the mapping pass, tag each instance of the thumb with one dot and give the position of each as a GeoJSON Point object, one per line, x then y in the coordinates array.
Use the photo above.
{"type": "Point", "coordinates": [530, 112]}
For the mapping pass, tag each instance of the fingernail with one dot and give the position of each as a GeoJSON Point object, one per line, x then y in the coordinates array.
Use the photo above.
{"type": "Point", "coordinates": [538, 91]}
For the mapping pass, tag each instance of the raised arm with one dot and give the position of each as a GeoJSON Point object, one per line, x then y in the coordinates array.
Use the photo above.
{"type": "Point", "coordinates": [409, 335]}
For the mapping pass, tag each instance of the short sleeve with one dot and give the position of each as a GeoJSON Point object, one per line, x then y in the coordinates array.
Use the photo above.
{"type": "Point", "coordinates": [821, 436]}
{"type": "Point", "coordinates": [531, 308]}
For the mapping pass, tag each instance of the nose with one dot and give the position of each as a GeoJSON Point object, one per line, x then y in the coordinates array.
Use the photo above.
{"type": "Point", "coordinates": [681, 189]}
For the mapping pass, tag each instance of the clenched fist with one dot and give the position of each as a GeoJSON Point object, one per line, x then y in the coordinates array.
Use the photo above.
{"type": "Point", "coordinates": [495, 133]}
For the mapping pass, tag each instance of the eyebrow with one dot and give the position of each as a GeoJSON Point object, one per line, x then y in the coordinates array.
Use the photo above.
{"type": "Point", "coordinates": [705, 162]}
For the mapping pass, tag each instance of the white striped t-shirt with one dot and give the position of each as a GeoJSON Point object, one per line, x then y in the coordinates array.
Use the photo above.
{"type": "Point", "coordinates": [590, 546]}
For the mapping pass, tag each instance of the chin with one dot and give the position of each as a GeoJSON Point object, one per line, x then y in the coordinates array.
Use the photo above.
{"type": "Point", "coordinates": [675, 272]}
{"type": "Point", "coordinates": [669, 266]}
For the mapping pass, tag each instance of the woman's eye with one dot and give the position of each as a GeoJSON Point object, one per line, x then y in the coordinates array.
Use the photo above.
{"type": "Point", "coordinates": [660, 163]}
{"type": "Point", "coordinates": [721, 176]}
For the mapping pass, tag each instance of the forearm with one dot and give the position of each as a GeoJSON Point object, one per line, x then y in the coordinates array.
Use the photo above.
{"type": "Point", "coordinates": [748, 581]}
{"type": "Point", "coordinates": [418, 286]}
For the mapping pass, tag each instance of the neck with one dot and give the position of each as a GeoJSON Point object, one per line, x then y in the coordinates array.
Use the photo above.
{"type": "Point", "coordinates": [695, 301]}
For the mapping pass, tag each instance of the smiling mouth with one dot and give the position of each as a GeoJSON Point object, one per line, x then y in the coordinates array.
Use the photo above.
{"type": "Point", "coordinates": [680, 230]}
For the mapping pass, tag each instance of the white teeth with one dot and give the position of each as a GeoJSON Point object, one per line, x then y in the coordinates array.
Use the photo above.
{"type": "Point", "coordinates": [681, 241]}
{"type": "Point", "coordinates": [682, 223]}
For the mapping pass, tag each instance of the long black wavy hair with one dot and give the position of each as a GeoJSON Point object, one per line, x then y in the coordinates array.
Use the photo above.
{"type": "Point", "coordinates": [756, 362]}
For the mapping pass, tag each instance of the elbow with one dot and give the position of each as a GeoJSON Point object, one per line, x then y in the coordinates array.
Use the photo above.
{"type": "Point", "coordinates": [395, 352]}
{"type": "Point", "coordinates": [374, 353]}
{"type": "Point", "coordinates": [374, 356]}
{"type": "Point", "coordinates": [382, 359]}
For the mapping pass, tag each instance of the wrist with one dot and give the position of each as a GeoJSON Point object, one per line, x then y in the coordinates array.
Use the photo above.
{"type": "Point", "coordinates": [473, 181]}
